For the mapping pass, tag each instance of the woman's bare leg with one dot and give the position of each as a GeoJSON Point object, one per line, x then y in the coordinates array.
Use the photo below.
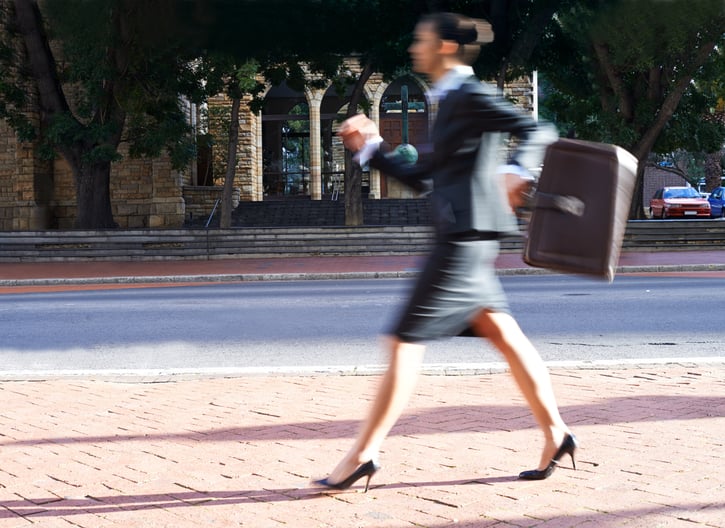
{"type": "Point", "coordinates": [530, 374]}
{"type": "Point", "coordinates": [396, 387]}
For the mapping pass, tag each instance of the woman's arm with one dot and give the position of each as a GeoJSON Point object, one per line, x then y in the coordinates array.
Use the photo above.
{"type": "Point", "coordinates": [492, 113]}
{"type": "Point", "coordinates": [415, 175]}
{"type": "Point", "coordinates": [360, 135]}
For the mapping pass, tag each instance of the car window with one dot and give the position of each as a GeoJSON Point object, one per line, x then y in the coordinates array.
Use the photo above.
{"type": "Point", "coordinates": [685, 192]}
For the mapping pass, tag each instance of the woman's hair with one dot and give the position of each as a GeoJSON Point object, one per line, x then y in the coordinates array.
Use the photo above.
{"type": "Point", "coordinates": [468, 33]}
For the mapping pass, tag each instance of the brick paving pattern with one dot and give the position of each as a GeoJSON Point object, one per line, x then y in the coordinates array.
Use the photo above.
{"type": "Point", "coordinates": [240, 452]}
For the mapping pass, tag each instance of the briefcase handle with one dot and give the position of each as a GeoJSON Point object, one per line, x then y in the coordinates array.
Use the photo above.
{"type": "Point", "coordinates": [564, 203]}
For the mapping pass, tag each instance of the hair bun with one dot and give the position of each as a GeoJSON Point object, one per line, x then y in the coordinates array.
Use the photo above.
{"type": "Point", "coordinates": [467, 33]}
{"type": "Point", "coordinates": [460, 29]}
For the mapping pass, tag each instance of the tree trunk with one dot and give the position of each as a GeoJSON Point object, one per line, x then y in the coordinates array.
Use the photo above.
{"type": "Point", "coordinates": [40, 59]}
{"type": "Point", "coordinates": [226, 218]}
{"type": "Point", "coordinates": [616, 82]}
{"type": "Point", "coordinates": [501, 78]}
{"type": "Point", "coordinates": [636, 209]}
{"type": "Point", "coordinates": [713, 170]}
{"type": "Point", "coordinates": [93, 196]}
{"type": "Point", "coordinates": [92, 181]}
{"type": "Point", "coordinates": [354, 214]}
{"type": "Point", "coordinates": [353, 174]}
{"type": "Point", "coordinates": [524, 45]}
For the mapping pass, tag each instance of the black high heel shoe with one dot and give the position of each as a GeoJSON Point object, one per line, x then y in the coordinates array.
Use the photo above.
{"type": "Point", "coordinates": [368, 469]}
{"type": "Point", "coordinates": [568, 446]}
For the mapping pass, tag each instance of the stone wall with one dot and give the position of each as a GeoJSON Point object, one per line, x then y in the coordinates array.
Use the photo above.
{"type": "Point", "coordinates": [25, 184]}
{"type": "Point", "coordinates": [200, 201]}
{"type": "Point", "coordinates": [247, 173]}
{"type": "Point", "coordinates": [40, 194]}
{"type": "Point", "coordinates": [8, 169]}
{"type": "Point", "coordinates": [144, 193]}
{"type": "Point", "coordinates": [520, 93]}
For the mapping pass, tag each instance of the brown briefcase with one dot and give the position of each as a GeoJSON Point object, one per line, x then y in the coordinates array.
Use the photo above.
{"type": "Point", "coordinates": [580, 208]}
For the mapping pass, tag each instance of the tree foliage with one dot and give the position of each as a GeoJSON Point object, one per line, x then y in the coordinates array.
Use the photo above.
{"type": "Point", "coordinates": [104, 72]}
{"type": "Point", "coordinates": [644, 74]}
{"type": "Point", "coordinates": [637, 74]}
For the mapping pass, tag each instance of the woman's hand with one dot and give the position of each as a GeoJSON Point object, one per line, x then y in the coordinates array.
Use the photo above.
{"type": "Point", "coordinates": [517, 190]}
{"type": "Point", "coordinates": [356, 131]}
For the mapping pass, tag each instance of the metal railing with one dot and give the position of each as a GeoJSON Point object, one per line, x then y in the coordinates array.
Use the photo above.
{"type": "Point", "coordinates": [216, 204]}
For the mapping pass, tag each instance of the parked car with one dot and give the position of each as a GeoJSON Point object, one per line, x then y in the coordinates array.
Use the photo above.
{"type": "Point", "coordinates": [678, 201]}
{"type": "Point", "coordinates": [717, 202]}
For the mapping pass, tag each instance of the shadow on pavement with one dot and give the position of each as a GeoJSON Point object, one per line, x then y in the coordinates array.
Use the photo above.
{"type": "Point", "coordinates": [449, 419]}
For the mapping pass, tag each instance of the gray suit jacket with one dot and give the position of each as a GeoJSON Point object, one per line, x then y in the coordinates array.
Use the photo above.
{"type": "Point", "coordinates": [467, 148]}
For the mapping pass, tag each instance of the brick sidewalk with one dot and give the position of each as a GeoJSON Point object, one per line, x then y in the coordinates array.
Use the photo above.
{"type": "Point", "coordinates": [240, 452]}
{"type": "Point", "coordinates": [656, 261]}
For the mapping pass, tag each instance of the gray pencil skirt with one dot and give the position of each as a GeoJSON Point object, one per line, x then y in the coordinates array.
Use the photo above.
{"type": "Point", "coordinates": [457, 281]}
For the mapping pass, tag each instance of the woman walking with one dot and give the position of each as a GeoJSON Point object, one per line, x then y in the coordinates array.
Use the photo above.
{"type": "Point", "coordinates": [457, 291]}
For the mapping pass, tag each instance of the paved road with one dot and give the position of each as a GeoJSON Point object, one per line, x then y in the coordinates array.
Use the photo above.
{"type": "Point", "coordinates": [335, 325]}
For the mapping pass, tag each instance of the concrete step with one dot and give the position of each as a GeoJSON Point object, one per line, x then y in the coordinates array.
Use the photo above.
{"type": "Point", "coordinates": [214, 243]}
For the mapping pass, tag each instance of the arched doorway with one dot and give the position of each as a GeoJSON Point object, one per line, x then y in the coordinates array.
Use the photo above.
{"type": "Point", "coordinates": [285, 143]}
{"type": "Point", "coordinates": [392, 122]}
{"type": "Point", "coordinates": [333, 110]}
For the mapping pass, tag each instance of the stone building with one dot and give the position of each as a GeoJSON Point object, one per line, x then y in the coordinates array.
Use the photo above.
{"type": "Point", "coordinates": [287, 151]}
{"type": "Point", "coordinates": [291, 149]}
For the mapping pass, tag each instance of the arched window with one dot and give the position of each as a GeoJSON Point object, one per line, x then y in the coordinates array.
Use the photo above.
{"type": "Point", "coordinates": [392, 123]}
{"type": "Point", "coordinates": [403, 115]}
{"type": "Point", "coordinates": [285, 143]}
{"type": "Point", "coordinates": [332, 112]}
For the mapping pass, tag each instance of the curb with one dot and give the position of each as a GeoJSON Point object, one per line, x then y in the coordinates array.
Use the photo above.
{"type": "Point", "coordinates": [256, 277]}
{"type": "Point", "coordinates": [244, 277]}
{"type": "Point", "coordinates": [430, 369]}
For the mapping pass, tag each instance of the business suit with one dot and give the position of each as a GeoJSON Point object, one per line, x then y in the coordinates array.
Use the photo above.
{"type": "Point", "coordinates": [458, 288]}
{"type": "Point", "coordinates": [467, 140]}
{"type": "Point", "coordinates": [470, 207]}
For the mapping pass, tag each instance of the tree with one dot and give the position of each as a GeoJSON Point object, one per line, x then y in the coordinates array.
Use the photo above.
{"type": "Point", "coordinates": [126, 73]}
{"type": "Point", "coordinates": [633, 73]}
{"type": "Point", "coordinates": [223, 74]}
{"type": "Point", "coordinates": [714, 164]}
{"type": "Point", "coordinates": [518, 28]}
